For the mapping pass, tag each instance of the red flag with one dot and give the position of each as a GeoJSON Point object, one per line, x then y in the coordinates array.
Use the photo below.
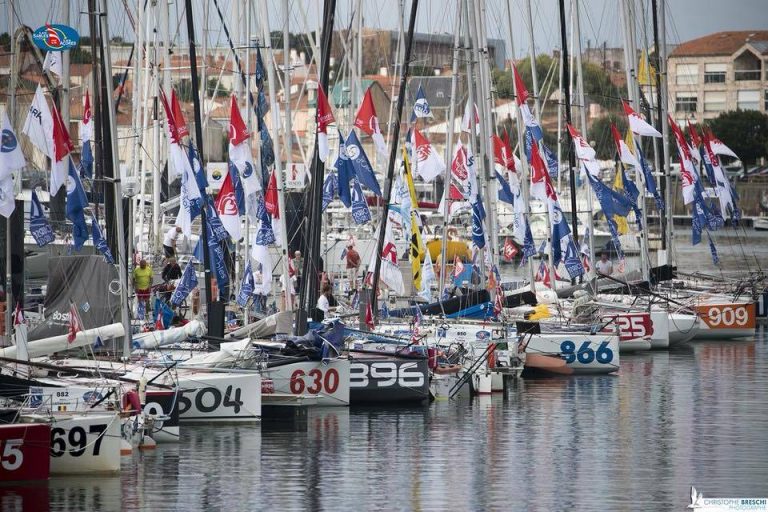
{"type": "Point", "coordinates": [18, 315]}
{"type": "Point", "coordinates": [366, 118]}
{"type": "Point", "coordinates": [542, 275]}
{"type": "Point", "coordinates": [510, 251]}
{"type": "Point", "coordinates": [498, 303]}
{"type": "Point", "coordinates": [238, 132]}
{"type": "Point", "coordinates": [458, 266]}
{"type": "Point", "coordinates": [226, 207]}
{"type": "Point", "coordinates": [173, 133]}
{"type": "Point", "coordinates": [324, 118]}
{"type": "Point", "coordinates": [61, 141]}
{"type": "Point", "coordinates": [270, 197]}
{"type": "Point", "coordinates": [695, 139]}
{"type": "Point", "coordinates": [501, 155]}
{"type": "Point", "coordinates": [75, 324]}
{"type": "Point", "coordinates": [87, 108]}
{"type": "Point", "coordinates": [541, 184]}
{"type": "Point", "coordinates": [159, 325]}
{"type": "Point", "coordinates": [369, 316]}
{"type": "Point", "coordinates": [522, 92]}
{"type": "Point", "coordinates": [178, 116]}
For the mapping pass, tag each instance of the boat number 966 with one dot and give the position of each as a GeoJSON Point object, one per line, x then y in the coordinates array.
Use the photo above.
{"type": "Point", "coordinates": [727, 316]}
{"type": "Point", "coordinates": [586, 354]}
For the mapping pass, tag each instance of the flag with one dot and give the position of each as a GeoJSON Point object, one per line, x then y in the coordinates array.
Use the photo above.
{"type": "Point", "coordinates": [159, 324]}
{"type": "Point", "coordinates": [713, 251]}
{"type": "Point", "coordinates": [622, 226]}
{"type": "Point", "coordinates": [360, 164]}
{"type": "Point", "coordinates": [7, 197]}
{"type": "Point", "coordinates": [521, 91]}
{"type": "Point", "coordinates": [261, 106]}
{"type": "Point", "coordinates": [637, 124]}
{"type": "Point", "coordinates": [416, 251]}
{"type": "Point", "coordinates": [86, 136]}
{"type": "Point", "coordinates": [38, 224]}
{"type": "Point", "coordinates": [75, 324]}
{"type": "Point", "coordinates": [76, 203]}
{"type": "Point", "coordinates": [613, 204]}
{"type": "Point", "coordinates": [240, 156]}
{"type": "Point", "coordinates": [646, 73]}
{"type": "Point", "coordinates": [390, 272]}
{"type": "Point", "coordinates": [38, 125]}
{"type": "Point", "coordinates": [650, 182]}
{"type": "Point", "coordinates": [361, 214]}
{"type": "Point", "coordinates": [505, 192]}
{"type": "Point", "coordinates": [429, 162]}
{"type": "Point", "coordinates": [178, 159]}
{"type": "Point", "coordinates": [458, 266]}
{"type": "Point", "coordinates": [541, 185]}
{"type": "Point", "coordinates": [200, 178]}
{"type": "Point", "coordinates": [141, 310]}
{"type": "Point", "coordinates": [458, 189]}
{"type": "Point", "coordinates": [260, 254]}
{"type": "Point", "coordinates": [368, 122]}
{"type": "Point", "coordinates": [502, 154]}
{"type": "Point", "coordinates": [226, 207]}
{"type": "Point", "coordinates": [11, 156]}
{"type": "Point", "coordinates": [420, 106]}
{"type": "Point", "coordinates": [324, 118]}
{"type": "Point", "coordinates": [718, 178]}
{"type": "Point", "coordinates": [178, 117]}
{"type": "Point", "coordinates": [237, 186]}
{"type": "Point", "coordinates": [330, 189]}
{"type": "Point", "coordinates": [186, 284]}
{"type": "Point", "coordinates": [344, 168]}
{"type": "Point", "coordinates": [532, 125]}
{"type": "Point", "coordinates": [62, 147]}
{"type": "Point", "coordinates": [720, 148]}
{"type": "Point", "coordinates": [271, 196]}
{"type": "Point", "coordinates": [510, 250]}
{"type": "Point", "coordinates": [369, 316]}
{"type": "Point", "coordinates": [478, 215]}
{"type": "Point", "coordinates": [18, 315]}
{"type": "Point", "coordinates": [542, 275]}
{"type": "Point", "coordinates": [265, 234]}
{"type": "Point", "coordinates": [625, 153]}
{"type": "Point", "coordinates": [191, 201]}
{"type": "Point", "coordinates": [583, 150]}
{"type": "Point", "coordinates": [687, 169]}
{"type": "Point", "coordinates": [469, 118]}
{"type": "Point", "coordinates": [99, 242]}
{"type": "Point", "coordinates": [99, 343]}
{"type": "Point", "coordinates": [428, 277]}
{"type": "Point", "coordinates": [246, 286]}
{"type": "Point", "coordinates": [498, 302]}
{"type": "Point", "coordinates": [52, 63]}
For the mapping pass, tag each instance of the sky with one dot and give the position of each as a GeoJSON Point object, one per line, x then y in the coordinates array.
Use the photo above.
{"type": "Point", "coordinates": [600, 19]}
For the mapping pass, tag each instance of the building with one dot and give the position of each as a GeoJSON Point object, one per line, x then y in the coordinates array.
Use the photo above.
{"type": "Point", "coordinates": [717, 73]}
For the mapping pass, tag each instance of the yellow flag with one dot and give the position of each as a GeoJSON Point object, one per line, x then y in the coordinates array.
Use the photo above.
{"type": "Point", "coordinates": [621, 222]}
{"type": "Point", "coordinates": [630, 141]}
{"type": "Point", "coordinates": [416, 249]}
{"type": "Point", "coordinates": [646, 74]}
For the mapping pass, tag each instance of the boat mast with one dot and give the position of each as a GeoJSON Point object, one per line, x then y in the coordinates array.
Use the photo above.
{"type": "Point", "coordinates": [583, 121]}
{"type": "Point", "coordinates": [660, 42]}
{"type": "Point", "coordinates": [275, 110]}
{"type": "Point", "coordinates": [308, 292]}
{"type": "Point", "coordinates": [392, 155]}
{"type": "Point", "coordinates": [199, 143]}
{"type": "Point", "coordinates": [524, 174]}
{"type": "Point", "coordinates": [450, 124]}
{"type": "Point", "coordinates": [110, 135]}
{"type": "Point", "coordinates": [469, 47]}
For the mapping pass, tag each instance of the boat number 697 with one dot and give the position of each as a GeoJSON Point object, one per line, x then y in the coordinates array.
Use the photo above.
{"type": "Point", "coordinates": [586, 354]}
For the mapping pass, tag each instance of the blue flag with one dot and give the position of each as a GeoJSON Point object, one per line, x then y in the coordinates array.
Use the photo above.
{"type": "Point", "coordinates": [187, 283]}
{"type": "Point", "coordinates": [100, 243]}
{"type": "Point", "coordinates": [344, 168]}
{"type": "Point", "coordinates": [529, 249]}
{"type": "Point", "coordinates": [330, 185]}
{"type": "Point", "coordinates": [197, 169]}
{"type": "Point", "coordinates": [650, 183]}
{"type": "Point", "coordinates": [572, 262]}
{"type": "Point", "coordinates": [505, 192]}
{"type": "Point", "coordinates": [86, 161]}
{"type": "Point", "coordinates": [262, 107]}
{"type": "Point", "coordinates": [164, 311]}
{"type": "Point", "coordinates": [76, 203]}
{"type": "Point", "coordinates": [560, 230]}
{"type": "Point", "coordinates": [267, 156]}
{"type": "Point", "coordinates": [713, 251]}
{"type": "Point", "coordinates": [632, 193]}
{"type": "Point", "coordinates": [360, 211]}
{"type": "Point", "coordinates": [420, 106]}
{"type": "Point", "coordinates": [246, 286]}
{"type": "Point", "coordinates": [237, 185]}
{"type": "Point", "coordinates": [218, 266]}
{"type": "Point", "coordinates": [99, 342]}
{"type": "Point", "coordinates": [265, 235]}
{"type": "Point", "coordinates": [38, 224]}
{"type": "Point", "coordinates": [360, 164]}
{"type": "Point", "coordinates": [552, 164]}
{"type": "Point", "coordinates": [478, 234]}
{"type": "Point", "coordinates": [141, 310]}
{"type": "Point", "coordinates": [218, 230]}
{"type": "Point", "coordinates": [612, 203]}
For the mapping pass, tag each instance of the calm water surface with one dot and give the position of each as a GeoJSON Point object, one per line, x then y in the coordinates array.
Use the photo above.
{"type": "Point", "coordinates": [636, 441]}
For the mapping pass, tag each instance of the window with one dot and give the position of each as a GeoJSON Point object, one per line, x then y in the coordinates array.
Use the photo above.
{"type": "Point", "coordinates": [687, 74]}
{"type": "Point", "coordinates": [715, 73]}
{"type": "Point", "coordinates": [686, 102]}
{"type": "Point", "coordinates": [765, 106]}
{"type": "Point", "coordinates": [714, 101]}
{"type": "Point", "coordinates": [747, 74]}
{"type": "Point", "coordinates": [748, 100]}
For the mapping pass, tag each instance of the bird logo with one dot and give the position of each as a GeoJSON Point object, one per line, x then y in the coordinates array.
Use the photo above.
{"type": "Point", "coordinates": [696, 499]}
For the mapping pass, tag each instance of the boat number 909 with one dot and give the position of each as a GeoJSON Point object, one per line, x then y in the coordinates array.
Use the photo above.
{"type": "Point", "coordinates": [727, 316]}
{"type": "Point", "coordinates": [77, 439]}
{"type": "Point", "coordinates": [585, 354]}
{"type": "Point", "coordinates": [209, 399]}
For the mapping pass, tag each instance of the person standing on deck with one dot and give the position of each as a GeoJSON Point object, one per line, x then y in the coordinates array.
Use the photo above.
{"type": "Point", "coordinates": [604, 266]}
{"type": "Point", "coordinates": [142, 282]}
{"type": "Point", "coordinates": [169, 242]}
{"type": "Point", "coordinates": [298, 263]}
{"type": "Point", "coordinates": [353, 264]}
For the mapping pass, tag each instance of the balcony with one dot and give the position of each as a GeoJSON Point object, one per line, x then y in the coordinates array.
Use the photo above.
{"type": "Point", "coordinates": [746, 74]}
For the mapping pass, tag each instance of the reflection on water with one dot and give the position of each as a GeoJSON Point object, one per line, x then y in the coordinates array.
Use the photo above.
{"type": "Point", "coordinates": [634, 441]}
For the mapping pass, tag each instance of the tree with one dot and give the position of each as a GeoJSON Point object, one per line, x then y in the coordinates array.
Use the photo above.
{"type": "Point", "coordinates": [5, 40]}
{"type": "Point", "coordinates": [504, 81]}
{"type": "Point", "coordinates": [601, 137]}
{"type": "Point", "coordinates": [744, 131]}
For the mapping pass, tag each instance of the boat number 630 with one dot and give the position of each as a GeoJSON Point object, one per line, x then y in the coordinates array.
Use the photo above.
{"type": "Point", "coordinates": [585, 354]}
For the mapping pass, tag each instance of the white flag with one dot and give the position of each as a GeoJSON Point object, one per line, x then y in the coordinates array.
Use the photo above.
{"type": "Point", "coordinates": [260, 253]}
{"type": "Point", "coordinates": [428, 278]}
{"type": "Point", "coordinates": [7, 199]}
{"type": "Point", "coordinates": [53, 64]}
{"type": "Point", "coordinates": [467, 120]}
{"type": "Point", "coordinates": [637, 124]}
{"type": "Point", "coordinates": [11, 156]}
{"type": "Point", "coordinates": [189, 195]}
{"type": "Point", "coordinates": [39, 125]}
{"type": "Point", "coordinates": [390, 271]}
{"type": "Point", "coordinates": [429, 163]}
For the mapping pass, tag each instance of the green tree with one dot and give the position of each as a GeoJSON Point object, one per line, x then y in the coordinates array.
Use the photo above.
{"type": "Point", "coordinates": [5, 40]}
{"type": "Point", "coordinates": [600, 136]}
{"type": "Point", "coordinates": [744, 131]}
{"type": "Point", "coordinates": [504, 81]}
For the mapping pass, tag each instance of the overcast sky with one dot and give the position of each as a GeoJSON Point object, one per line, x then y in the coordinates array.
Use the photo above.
{"type": "Point", "coordinates": [600, 19]}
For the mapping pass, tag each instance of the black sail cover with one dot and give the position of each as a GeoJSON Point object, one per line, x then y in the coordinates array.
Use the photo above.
{"type": "Point", "coordinates": [87, 281]}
